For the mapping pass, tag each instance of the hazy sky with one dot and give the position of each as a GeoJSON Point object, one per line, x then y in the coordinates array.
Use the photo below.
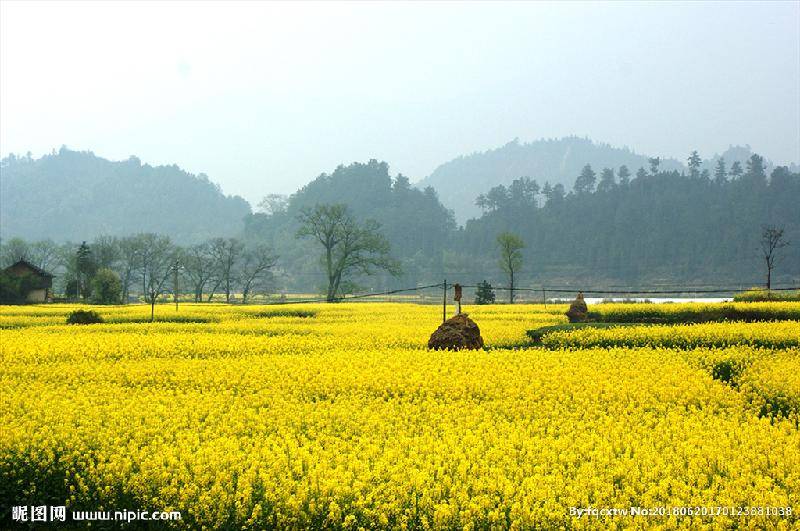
{"type": "Point", "coordinates": [265, 96]}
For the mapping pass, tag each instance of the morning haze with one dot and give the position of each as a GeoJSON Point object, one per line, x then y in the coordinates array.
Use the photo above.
{"type": "Point", "coordinates": [263, 97]}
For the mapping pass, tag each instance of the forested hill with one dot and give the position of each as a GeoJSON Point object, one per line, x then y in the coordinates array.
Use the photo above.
{"type": "Point", "coordinates": [414, 222]}
{"type": "Point", "coordinates": [655, 228]}
{"type": "Point", "coordinates": [71, 195]}
{"type": "Point", "coordinates": [558, 161]}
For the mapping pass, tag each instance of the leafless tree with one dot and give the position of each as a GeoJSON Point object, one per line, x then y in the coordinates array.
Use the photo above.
{"type": "Point", "coordinates": [14, 249]}
{"type": "Point", "coordinates": [106, 251]}
{"type": "Point", "coordinates": [130, 250]}
{"type": "Point", "coordinates": [226, 253]}
{"type": "Point", "coordinates": [350, 247]}
{"type": "Point", "coordinates": [772, 241]}
{"type": "Point", "coordinates": [257, 262]}
{"type": "Point", "coordinates": [198, 266]}
{"type": "Point", "coordinates": [157, 258]}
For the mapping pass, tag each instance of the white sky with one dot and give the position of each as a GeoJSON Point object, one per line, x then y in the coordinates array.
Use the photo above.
{"type": "Point", "coordinates": [265, 96]}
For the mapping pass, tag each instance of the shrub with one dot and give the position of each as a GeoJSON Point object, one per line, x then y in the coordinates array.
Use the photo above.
{"type": "Point", "coordinates": [84, 317]}
{"type": "Point", "coordinates": [727, 371]}
{"type": "Point", "coordinates": [14, 289]}
{"type": "Point", "coordinates": [484, 294]}
{"type": "Point", "coordinates": [106, 287]}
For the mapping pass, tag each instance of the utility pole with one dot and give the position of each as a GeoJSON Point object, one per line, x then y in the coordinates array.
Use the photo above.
{"type": "Point", "coordinates": [175, 283]}
{"type": "Point", "coordinates": [444, 301]}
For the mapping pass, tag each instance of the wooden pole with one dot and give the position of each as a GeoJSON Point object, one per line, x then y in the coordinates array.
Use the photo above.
{"type": "Point", "coordinates": [544, 297]}
{"type": "Point", "coordinates": [175, 283]}
{"type": "Point", "coordinates": [444, 301]}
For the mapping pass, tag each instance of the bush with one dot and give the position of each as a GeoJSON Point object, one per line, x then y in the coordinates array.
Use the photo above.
{"type": "Point", "coordinates": [84, 317]}
{"type": "Point", "coordinates": [484, 294]}
{"type": "Point", "coordinates": [14, 289]}
{"type": "Point", "coordinates": [728, 371]}
{"type": "Point", "coordinates": [106, 287]}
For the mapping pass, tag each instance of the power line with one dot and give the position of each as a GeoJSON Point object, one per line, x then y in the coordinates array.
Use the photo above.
{"type": "Point", "coordinates": [642, 291]}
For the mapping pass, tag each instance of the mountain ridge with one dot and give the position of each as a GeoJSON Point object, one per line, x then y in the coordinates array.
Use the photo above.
{"type": "Point", "coordinates": [76, 195]}
{"type": "Point", "coordinates": [557, 160]}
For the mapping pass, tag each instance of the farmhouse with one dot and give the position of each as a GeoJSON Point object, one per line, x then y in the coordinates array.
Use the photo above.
{"type": "Point", "coordinates": [40, 281]}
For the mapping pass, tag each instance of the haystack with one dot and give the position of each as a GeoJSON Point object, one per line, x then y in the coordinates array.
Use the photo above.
{"type": "Point", "coordinates": [457, 333]}
{"type": "Point", "coordinates": [578, 311]}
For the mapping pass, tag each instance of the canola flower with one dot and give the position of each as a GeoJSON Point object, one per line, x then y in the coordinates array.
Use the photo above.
{"type": "Point", "coordinates": [696, 312]}
{"type": "Point", "coordinates": [772, 386]}
{"type": "Point", "coordinates": [780, 334]}
{"type": "Point", "coordinates": [344, 420]}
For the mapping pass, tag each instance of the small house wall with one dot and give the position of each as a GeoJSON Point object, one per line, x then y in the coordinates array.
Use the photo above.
{"type": "Point", "coordinates": [37, 295]}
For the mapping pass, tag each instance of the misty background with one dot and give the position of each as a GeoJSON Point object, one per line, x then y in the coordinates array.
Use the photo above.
{"type": "Point", "coordinates": [263, 97]}
{"type": "Point", "coordinates": [624, 143]}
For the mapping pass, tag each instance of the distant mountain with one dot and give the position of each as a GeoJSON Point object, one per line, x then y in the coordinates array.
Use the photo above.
{"type": "Point", "coordinates": [72, 195]}
{"type": "Point", "coordinates": [459, 181]}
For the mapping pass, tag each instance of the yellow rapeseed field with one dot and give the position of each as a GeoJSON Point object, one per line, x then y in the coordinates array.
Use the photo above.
{"type": "Point", "coordinates": [337, 416]}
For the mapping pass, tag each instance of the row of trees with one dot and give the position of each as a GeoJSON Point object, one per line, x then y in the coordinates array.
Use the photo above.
{"type": "Point", "coordinates": [652, 227]}
{"type": "Point", "coordinates": [109, 269]}
{"type": "Point", "coordinates": [112, 270]}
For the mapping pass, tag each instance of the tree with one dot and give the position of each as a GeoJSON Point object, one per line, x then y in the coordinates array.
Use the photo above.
{"type": "Point", "coordinates": [273, 204]}
{"type": "Point", "coordinates": [584, 184]}
{"type": "Point", "coordinates": [198, 266]}
{"type": "Point", "coordinates": [257, 261]}
{"type": "Point", "coordinates": [511, 247]}
{"type": "Point", "coordinates": [484, 294]}
{"type": "Point", "coordinates": [156, 259]}
{"type": "Point", "coordinates": [772, 241]}
{"type": "Point", "coordinates": [14, 289]}
{"type": "Point", "coordinates": [15, 249]}
{"type": "Point", "coordinates": [694, 162]}
{"type": "Point", "coordinates": [349, 247]}
{"type": "Point", "coordinates": [558, 194]}
{"type": "Point", "coordinates": [130, 248]}
{"type": "Point", "coordinates": [720, 173]}
{"type": "Point", "coordinates": [756, 170]}
{"type": "Point", "coordinates": [226, 253]}
{"type": "Point", "coordinates": [736, 170]}
{"type": "Point", "coordinates": [106, 287]}
{"type": "Point", "coordinates": [106, 251]}
{"type": "Point", "coordinates": [85, 268]}
{"type": "Point", "coordinates": [606, 183]}
{"type": "Point", "coordinates": [624, 176]}
{"type": "Point", "coordinates": [655, 162]}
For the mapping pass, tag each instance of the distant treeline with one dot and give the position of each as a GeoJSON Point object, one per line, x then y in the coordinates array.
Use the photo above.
{"type": "Point", "coordinates": [616, 226]}
{"type": "Point", "coordinates": [113, 270]}
{"type": "Point", "coordinates": [72, 195]}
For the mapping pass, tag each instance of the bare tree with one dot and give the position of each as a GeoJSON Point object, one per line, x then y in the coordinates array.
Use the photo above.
{"type": "Point", "coordinates": [157, 259]}
{"type": "Point", "coordinates": [771, 242]}
{"type": "Point", "coordinates": [226, 253]}
{"type": "Point", "coordinates": [198, 266]}
{"type": "Point", "coordinates": [350, 247]}
{"type": "Point", "coordinates": [257, 261]}
{"type": "Point", "coordinates": [511, 247]}
{"type": "Point", "coordinates": [106, 251]}
{"type": "Point", "coordinates": [130, 250]}
{"type": "Point", "coordinates": [13, 250]}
